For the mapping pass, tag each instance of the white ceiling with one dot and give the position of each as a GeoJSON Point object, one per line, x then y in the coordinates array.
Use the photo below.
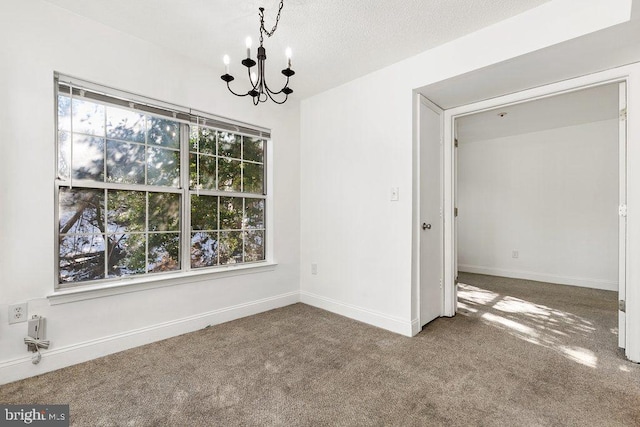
{"type": "Point", "coordinates": [583, 106]}
{"type": "Point", "coordinates": [333, 41]}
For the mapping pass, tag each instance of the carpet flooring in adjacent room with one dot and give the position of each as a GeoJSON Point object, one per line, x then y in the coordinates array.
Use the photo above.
{"type": "Point", "coordinates": [518, 353]}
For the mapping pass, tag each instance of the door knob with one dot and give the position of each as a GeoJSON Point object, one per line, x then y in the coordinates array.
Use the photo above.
{"type": "Point", "coordinates": [426, 226]}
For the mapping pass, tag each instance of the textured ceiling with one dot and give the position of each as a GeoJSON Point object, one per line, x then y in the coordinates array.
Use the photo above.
{"type": "Point", "coordinates": [333, 41]}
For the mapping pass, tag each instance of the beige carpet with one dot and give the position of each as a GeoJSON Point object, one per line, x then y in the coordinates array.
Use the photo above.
{"type": "Point", "coordinates": [518, 354]}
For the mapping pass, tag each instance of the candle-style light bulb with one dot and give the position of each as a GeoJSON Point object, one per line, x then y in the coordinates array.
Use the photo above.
{"type": "Point", "coordinates": [288, 53]}
{"type": "Point", "coordinates": [248, 42]}
{"type": "Point", "coordinates": [226, 61]}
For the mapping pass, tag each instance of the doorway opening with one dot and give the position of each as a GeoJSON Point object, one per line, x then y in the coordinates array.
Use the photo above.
{"type": "Point", "coordinates": [538, 192]}
{"type": "Point", "coordinates": [614, 78]}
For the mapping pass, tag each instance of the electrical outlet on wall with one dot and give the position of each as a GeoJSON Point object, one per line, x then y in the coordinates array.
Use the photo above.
{"type": "Point", "coordinates": [18, 313]}
{"type": "Point", "coordinates": [515, 254]}
{"type": "Point", "coordinates": [314, 268]}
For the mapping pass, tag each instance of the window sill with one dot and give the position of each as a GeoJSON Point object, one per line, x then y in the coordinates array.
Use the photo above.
{"type": "Point", "coordinates": [137, 284]}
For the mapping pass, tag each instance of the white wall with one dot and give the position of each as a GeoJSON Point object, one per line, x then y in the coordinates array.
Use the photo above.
{"type": "Point", "coordinates": [550, 195]}
{"type": "Point", "coordinates": [357, 143]}
{"type": "Point", "coordinates": [37, 39]}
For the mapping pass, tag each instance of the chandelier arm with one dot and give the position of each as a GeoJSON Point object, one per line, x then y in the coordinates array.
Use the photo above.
{"type": "Point", "coordinates": [280, 91]}
{"type": "Point", "coordinates": [271, 93]}
{"type": "Point", "coordinates": [236, 94]}
{"type": "Point", "coordinates": [277, 102]}
{"type": "Point", "coordinates": [251, 80]}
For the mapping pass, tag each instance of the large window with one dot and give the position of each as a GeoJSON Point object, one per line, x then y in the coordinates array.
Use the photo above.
{"type": "Point", "coordinates": [142, 189]}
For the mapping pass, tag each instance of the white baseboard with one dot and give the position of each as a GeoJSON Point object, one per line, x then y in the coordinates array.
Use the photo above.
{"type": "Point", "coordinates": [56, 358]}
{"type": "Point", "coordinates": [381, 320]}
{"type": "Point", "coordinates": [415, 327]}
{"type": "Point", "coordinates": [549, 278]}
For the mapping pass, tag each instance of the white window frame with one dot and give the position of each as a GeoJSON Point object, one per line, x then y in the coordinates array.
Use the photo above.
{"type": "Point", "coordinates": [187, 117]}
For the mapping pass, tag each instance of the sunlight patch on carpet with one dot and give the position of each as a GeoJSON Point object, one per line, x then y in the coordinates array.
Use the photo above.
{"type": "Point", "coordinates": [531, 322]}
{"type": "Point", "coordinates": [580, 355]}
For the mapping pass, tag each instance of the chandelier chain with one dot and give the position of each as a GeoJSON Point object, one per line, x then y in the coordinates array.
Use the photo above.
{"type": "Point", "coordinates": [263, 30]}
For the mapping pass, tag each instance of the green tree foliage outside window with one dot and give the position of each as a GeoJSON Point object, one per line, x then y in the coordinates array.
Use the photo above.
{"type": "Point", "coordinates": [121, 196]}
{"type": "Point", "coordinates": [226, 229]}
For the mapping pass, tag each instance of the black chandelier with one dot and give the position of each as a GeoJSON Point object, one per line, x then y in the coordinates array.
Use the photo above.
{"type": "Point", "coordinates": [259, 91]}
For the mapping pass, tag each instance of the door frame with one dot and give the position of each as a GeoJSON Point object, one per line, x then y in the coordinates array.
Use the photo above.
{"type": "Point", "coordinates": [423, 102]}
{"type": "Point", "coordinates": [626, 74]}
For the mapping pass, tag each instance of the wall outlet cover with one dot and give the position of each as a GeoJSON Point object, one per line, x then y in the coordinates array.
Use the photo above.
{"type": "Point", "coordinates": [18, 313]}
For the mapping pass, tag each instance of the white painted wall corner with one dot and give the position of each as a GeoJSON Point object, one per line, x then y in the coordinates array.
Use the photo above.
{"type": "Point", "coordinates": [374, 318]}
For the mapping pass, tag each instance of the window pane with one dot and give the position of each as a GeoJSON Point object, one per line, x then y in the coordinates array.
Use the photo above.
{"type": "Point", "coordinates": [164, 252]}
{"type": "Point", "coordinates": [163, 132]}
{"type": "Point", "coordinates": [125, 162]}
{"type": "Point", "coordinates": [64, 155]}
{"type": "Point", "coordinates": [203, 140]}
{"type": "Point", "coordinates": [204, 249]}
{"type": "Point", "coordinates": [230, 213]}
{"type": "Point", "coordinates": [193, 171]}
{"type": "Point", "coordinates": [204, 212]}
{"type": "Point", "coordinates": [229, 145]}
{"type": "Point", "coordinates": [164, 212]}
{"type": "Point", "coordinates": [254, 245]}
{"type": "Point", "coordinates": [253, 178]}
{"type": "Point", "coordinates": [81, 258]}
{"type": "Point", "coordinates": [126, 254]}
{"type": "Point", "coordinates": [253, 149]}
{"type": "Point", "coordinates": [163, 167]}
{"type": "Point", "coordinates": [230, 247]}
{"type": "Point", "coordinates": [207, 167]}
{"type": "Point", "coordinates": [81, 210]}
{"type": "Point", "coordinates": [64, 113]}
{"type": "Point", "coordinates": [254, 213]}
{"type": "Point", "coordinates": [126, 211]}
{"type": "Point", "coordinates": [125, 125]}
{"type": "Point", "coordinates": [88, 158]}
{"type": "Point", "coordinates": [88, 117]}
{"type": "Point", "coordinates": [229, 175]}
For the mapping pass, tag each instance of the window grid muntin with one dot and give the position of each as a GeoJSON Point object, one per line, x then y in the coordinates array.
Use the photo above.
{"type": "Point", "coordinates": [243, 230]}
{"type": "Point", "coordinates": [183, 188]}
{"type": "Point", "coordinates": [218, 156]}
{"type": "Point", "coordinates": [105, 233]}
{"type": "Point", "coordinates": [105, 138]}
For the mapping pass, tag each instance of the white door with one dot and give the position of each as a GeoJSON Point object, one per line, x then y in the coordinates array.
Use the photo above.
{"type": "Point", "coordinates": [622, 220]}
{"type": "Point", "coordinates": [430, 227]}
